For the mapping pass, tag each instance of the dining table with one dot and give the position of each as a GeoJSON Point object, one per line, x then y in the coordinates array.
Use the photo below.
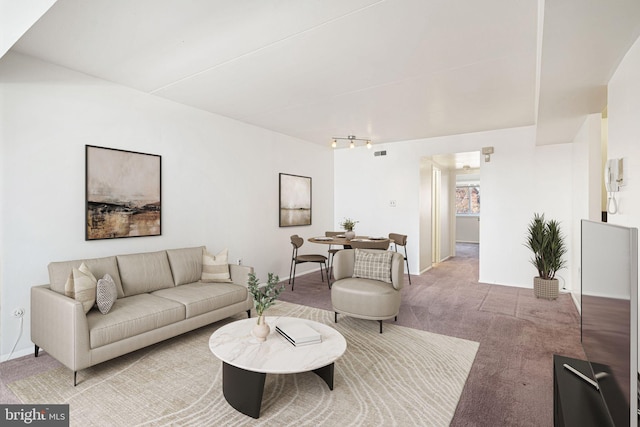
{"type": "Point", "coordinates": [343, 241]}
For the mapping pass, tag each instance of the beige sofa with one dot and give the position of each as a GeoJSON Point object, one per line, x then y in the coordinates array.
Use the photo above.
{"type": "Point", "coordinates": [160, 295]}
{"type": "Point", "coordinates": [370, 290]}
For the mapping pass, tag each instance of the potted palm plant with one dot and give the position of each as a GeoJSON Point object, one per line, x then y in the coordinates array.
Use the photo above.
{"type": "Point", "coordinates": [546, 241]}
{"type": "Point", "coordinates": [264, 296]}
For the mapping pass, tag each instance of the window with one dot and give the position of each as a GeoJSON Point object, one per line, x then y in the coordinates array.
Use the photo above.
{"type": "Point", "coordinates": [468, 200]}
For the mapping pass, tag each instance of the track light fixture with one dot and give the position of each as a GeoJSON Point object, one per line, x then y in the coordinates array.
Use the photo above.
{"type": "Point", "coordinates": [352, 141]}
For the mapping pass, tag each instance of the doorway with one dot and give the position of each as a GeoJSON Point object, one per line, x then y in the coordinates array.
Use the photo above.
{"type": "Point", "coordinates": [439, 217]}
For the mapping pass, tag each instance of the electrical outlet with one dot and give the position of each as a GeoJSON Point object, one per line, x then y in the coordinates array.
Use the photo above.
{"type": "Point", "coordinates": [18, 312]}
{"type": "Point", "coordinates": [392, 203]}
{"type": "Point", "coordinates": [239, 261]}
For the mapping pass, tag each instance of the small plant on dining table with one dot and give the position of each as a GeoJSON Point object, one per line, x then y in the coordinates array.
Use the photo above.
{"type": "Point", "coordinates": [348, 224]}
{"type": "Point", "coordinates": [266, 294]}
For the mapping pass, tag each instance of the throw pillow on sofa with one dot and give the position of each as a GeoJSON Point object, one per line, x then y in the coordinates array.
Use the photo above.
{"type": "Point", "coordinates": [106, 293]}
{"type": "Point", "coordinates": [373, 264]}
{"type": "Point", "coordinates": [215, 268]}
{"type": "Point", "coordinates": [81, 286]}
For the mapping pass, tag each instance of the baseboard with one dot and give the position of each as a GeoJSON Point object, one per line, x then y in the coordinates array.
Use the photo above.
{"type": "Point", "coordinates": [576, 302]}
{"type": "Point", "coordinates": [298, 274]}
{"type": "Point", "coordinates": [426, 269]}
{"type": "Point", "coordinates": [17, 354]}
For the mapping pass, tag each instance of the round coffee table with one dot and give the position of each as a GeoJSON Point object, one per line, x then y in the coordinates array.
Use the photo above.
{"type": "Point", "coordinates": [246, 361]}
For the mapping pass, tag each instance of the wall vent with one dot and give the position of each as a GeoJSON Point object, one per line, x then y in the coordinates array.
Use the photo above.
{"type": "Point", "coordinates": [380, 153]}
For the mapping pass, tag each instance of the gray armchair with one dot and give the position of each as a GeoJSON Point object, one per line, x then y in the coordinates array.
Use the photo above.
{"type": "Point", "coordinates": [364, 297]}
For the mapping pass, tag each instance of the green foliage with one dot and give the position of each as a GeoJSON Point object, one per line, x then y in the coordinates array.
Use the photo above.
{"type": "Point", "coordinates": [265, 295]}
{"type": "Point", "coordinates": [348, 224]}
{"type": "Point", "coordinates": [546, 241]}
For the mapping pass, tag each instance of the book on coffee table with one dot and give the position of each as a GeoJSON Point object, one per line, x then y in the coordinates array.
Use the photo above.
{"type": "Point", "coordinates": [298, 333]}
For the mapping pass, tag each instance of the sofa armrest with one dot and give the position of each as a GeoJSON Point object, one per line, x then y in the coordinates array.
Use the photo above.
{"type": "Point", "coordinates": [240, 274]}
{"type": "Point", "coordinates": [59, 326]}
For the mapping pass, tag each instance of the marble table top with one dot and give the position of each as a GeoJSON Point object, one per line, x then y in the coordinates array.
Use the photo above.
{"type": "Point", "coordinates": [235, 345]}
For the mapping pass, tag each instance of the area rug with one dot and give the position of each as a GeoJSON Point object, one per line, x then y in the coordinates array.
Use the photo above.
{"type": "Point", "coordinates": [401, 377]}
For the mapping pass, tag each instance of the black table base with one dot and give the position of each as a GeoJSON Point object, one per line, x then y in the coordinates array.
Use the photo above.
{"type": "Point", "coordinates": [243, 389]}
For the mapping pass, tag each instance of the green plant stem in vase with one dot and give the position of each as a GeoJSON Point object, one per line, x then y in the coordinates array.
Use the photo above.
{"type": "Point", "coordinates": [348, 225]}
{"type": "Point", "coordinates": [265, 295]}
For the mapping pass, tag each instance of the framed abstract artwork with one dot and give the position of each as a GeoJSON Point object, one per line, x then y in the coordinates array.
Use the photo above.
{"type": "Point", "coordinates": [123, 190]}
{"type": "Point", "coordinates": [295, 200]}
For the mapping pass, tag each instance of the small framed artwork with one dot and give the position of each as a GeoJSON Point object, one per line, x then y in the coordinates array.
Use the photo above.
{"type": "Point", "coordinates": [295, 200]}
{"type": "Point", "coordinates": [123, 190]}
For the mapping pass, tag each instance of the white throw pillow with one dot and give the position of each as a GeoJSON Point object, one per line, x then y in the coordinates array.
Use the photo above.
{"type": "Point", "coordinates": [215, 268]}
{"type": "Point", "coordinates": [106, 294]}
{"type": "Point", "coordinates": [81, 286]}
{"type": "Point", "coordinates": [373, 264]}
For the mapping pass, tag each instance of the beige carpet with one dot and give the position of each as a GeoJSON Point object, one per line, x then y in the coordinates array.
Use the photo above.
{"type": "Point", "coordinates": [403, 377]}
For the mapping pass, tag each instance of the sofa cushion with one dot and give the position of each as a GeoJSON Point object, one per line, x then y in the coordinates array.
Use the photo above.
{"type": "Point", "coordinates": [186, 264]}
{"type": "Point", "coordinates": [81, 286]}
{"type": "Point", "coordinates": [145, 272]}
{"type": "Point", "coordinates": [215, 268]}
{"type": "Point", "coordinates": [201, 298]}
{"type": "Point", "coordinates": [373, 264]}
{"type": "Point", "coordinates": [106, 294]}
{"type": "Point", "coordinates": [59, 271]}
{"type": "Point", "coordinates": [132, 316]}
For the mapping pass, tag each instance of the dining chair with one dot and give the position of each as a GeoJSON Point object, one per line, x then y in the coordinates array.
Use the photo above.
{"type": "Point", "coordinates": [401, 240]}
{"type": "Point", "coordinates": [332, 251]}
{"type": "Point", "coordinates": [297, 242]}
{"type": "Point", "coordinates": [382, 244]}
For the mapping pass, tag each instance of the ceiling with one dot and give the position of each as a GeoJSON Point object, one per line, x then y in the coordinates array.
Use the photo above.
{"type": "Point", "coordinates": [388, 70]}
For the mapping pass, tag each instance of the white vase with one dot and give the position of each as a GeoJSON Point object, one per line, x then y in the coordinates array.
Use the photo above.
{"type": "Point", "coordinates": [261, 330]}
{"type": "Point", "coordinates": [350, 235]}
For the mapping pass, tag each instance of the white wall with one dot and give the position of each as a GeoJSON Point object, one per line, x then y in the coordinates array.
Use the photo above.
{"type": "Point", "coordinates": [520, 179]}
{"type": "Point", "coordinates": [468, 228]}
{"type": "Point", "coordinates": [424, 236]}
{"type": "Point", "coordinates": [624, 134]}
{"type": "Point", "coordinates": [365, 184]}
{"type": "Point", "coordinates": [446, 215]}
{"type": "Point", "coordinates": [587, 183]}
{"type": "Point", "coordinates": [219, 178]}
